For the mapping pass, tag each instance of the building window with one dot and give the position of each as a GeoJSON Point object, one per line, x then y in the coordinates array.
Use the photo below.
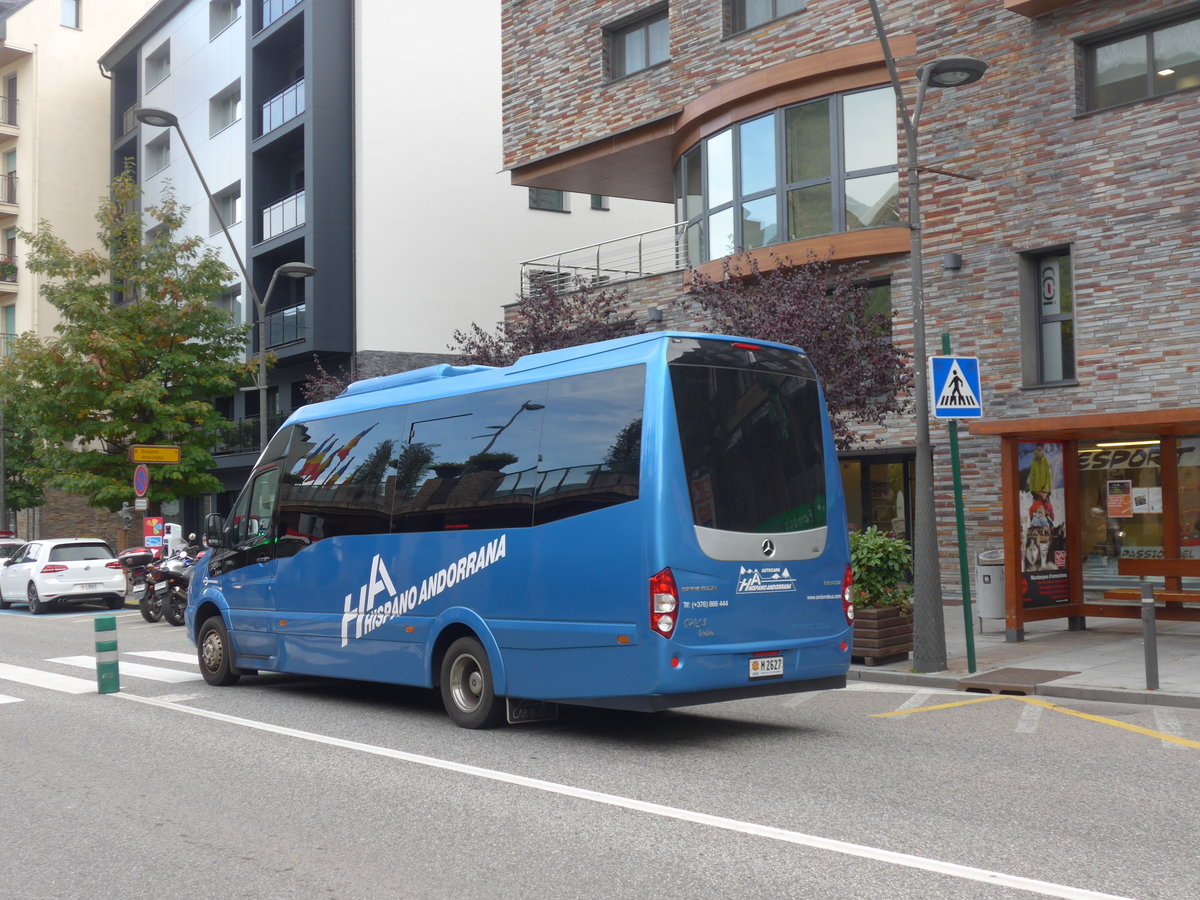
{"type": "Point", "coordinates": [821, 167]}
{"type": "Point", "coordinates": [599, 201]}
{"type": "Point", "coordinates": [744, 14]}
{"type": "Point", "coordinates": [229, 204]}
{"type": "Point", "coordinates": [158, 65]}
{"type": "Point", "coordinates": [1048, 317]}
{"type": "Point", "coordinates": [70, 13]}
{"type": "Point", "coordinates": [225, 108]}
{"type": "Point", "coordinates": [639, 44]}
{"type": "Point", "coordinates": [9, 116]}
{"type": "Point", "coordinates": [158, 153]}
{"type": "Point", "coordinates": [1156, 60]}
{"type": "Point", "coordinates": [544, 198]}
{"type": "Point", "coordinates": [222, 14]}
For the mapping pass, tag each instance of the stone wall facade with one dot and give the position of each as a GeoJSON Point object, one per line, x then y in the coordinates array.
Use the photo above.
{"type": "Point", "coordinates": [1115, 186]}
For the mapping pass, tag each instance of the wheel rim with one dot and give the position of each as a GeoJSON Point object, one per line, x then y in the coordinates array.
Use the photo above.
{"type": "Point", "coordinates": [212, 652]}
{"type": "Point", "coordinates": [32, 594]}
{"type": "Point", "coordinates": [467, 683]}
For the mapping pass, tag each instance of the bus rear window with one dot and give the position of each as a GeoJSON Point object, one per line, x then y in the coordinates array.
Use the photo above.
{"type": "Point", "coordinates": [750, 426]}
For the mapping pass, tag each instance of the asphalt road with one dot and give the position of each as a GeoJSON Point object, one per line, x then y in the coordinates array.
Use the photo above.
{"type": "Point", "coordinates": [284, 787]}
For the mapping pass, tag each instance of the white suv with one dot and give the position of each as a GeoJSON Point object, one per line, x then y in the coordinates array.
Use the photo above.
{"type": "Point", "coordinates": [65, 570]}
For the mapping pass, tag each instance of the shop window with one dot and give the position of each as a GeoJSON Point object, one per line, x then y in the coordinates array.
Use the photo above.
{"type": "Point", "coordinates": [1048, 317]}
{"type": "Point", "coordinates": [1121, 503]}
{"type": "Point", "coordinates": [638, 45]}
{"type": "Point", "coordinates": [1156, 59]}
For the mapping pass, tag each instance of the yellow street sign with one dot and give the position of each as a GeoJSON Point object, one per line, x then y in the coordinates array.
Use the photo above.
{"type": "Point", "coordinates": [151, 453]}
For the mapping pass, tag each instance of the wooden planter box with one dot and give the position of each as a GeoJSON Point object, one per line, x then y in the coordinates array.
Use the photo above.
{"type": "Point", "coordinates": [881, 636]}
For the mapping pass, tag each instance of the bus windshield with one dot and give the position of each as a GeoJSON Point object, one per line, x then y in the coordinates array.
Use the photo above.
{"type": "Point", "coordinates": [750, 426]}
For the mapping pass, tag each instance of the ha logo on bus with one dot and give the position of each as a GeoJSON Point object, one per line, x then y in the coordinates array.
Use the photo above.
{"type": "Point", "coordinates": [765, 580]}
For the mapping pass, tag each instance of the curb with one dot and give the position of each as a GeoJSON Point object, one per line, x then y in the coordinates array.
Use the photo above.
{"type": "Point", "coordinates": [950, 681]}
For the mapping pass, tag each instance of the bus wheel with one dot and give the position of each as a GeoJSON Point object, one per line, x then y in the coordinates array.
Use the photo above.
{"type": "Point", "coordinates": [215, 653]}
{"type": "Point", "coordinates": [467, 687]}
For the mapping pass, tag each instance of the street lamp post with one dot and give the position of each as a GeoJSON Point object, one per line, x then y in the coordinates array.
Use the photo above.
{"type": "Point", "coordinates": [929, 629]}
{"type": "Point", "coordinates": [161, 118]}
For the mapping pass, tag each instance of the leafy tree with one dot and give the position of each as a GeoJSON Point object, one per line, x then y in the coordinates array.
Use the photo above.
{"type": "Point", "coordinates": [548, 319]}
{"type": "Point", "coordinates": [825, 310]}
{"type": "Point", "coordinates": [141, 371]}
{"type": "Point", "coordinates": [321, 385]}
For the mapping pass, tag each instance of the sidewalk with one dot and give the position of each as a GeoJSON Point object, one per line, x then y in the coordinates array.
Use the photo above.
{"type": "Point", "coordinates": [1106, 661]}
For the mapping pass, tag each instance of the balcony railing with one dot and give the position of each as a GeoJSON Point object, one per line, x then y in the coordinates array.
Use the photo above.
{"type": "Point", "coordinates": [283, 216]}
{"type": "Point", "coordinates": [283, 107]}
{"type": "Point", "coordinates": [8, 269]}
{"type": "Point", "coordinates": [8, 188]}
{"type": "Point", "coordinates": [129, 119]}
{"type": "Point", "coordinates": [8, 343]}
{"type": "Point", "coordinates": [8, 111]}
{"type": "Point", "coordinates": [653, 252]}
{"type": "Point", "coordinates": [274, 9]}
{"type": "Point", "coordinates": [241, 435]}
{"type": "Point", "coordinates": [287, 326]}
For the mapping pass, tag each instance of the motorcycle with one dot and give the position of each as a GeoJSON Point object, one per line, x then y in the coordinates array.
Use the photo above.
{"type": "Point", "coordinates": [139, 564]}
{"type": "Point", "coordinates": [171, 579]}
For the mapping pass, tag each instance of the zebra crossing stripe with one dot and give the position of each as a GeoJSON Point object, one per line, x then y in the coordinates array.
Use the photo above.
{"type": "Point", "coordinates": [52, 680]}
{"type": "Point", "coordinates": [135, 670]}
{"type": "Point", "coordinates": [4, 698]}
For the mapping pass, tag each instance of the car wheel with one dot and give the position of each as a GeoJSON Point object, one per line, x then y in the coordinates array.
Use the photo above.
{"type": "Point", "coordinates": [215, 653]}
{"type": "Point", "coordinates": [467, 687]}
{"type": "Point", "coordinates": [116, 603]}
{"type": "Point", "coordinates": [36, 606]}
{"type": "Point", "coordinates": [5, 604]}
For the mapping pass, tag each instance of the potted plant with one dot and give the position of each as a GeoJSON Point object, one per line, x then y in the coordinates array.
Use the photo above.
{"type": "Point", "coordinates": [880, 563]}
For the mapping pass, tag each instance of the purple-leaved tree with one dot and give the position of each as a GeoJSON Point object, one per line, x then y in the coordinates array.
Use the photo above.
{"type": "Point", "coordinates": [824, 309]}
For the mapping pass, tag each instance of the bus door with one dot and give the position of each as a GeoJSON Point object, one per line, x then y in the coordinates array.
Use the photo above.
{"type": "Point", "coordinates": [248, 555]}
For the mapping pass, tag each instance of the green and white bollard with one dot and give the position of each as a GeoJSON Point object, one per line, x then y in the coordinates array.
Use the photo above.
{"type": "Point", "coordinates": [108, 679]}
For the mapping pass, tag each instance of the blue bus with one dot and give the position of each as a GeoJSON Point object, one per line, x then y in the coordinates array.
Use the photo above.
{"type": "Point", "coordinates": [644, 523]}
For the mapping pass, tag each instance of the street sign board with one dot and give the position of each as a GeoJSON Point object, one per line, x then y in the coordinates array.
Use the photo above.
{"type": "Point", "coordinates": [141, 504]}
{"type": "Point", "coordinates": [955, 387]}
{"type": "Point", "coordinates": [155, 453]}
{"type": "Point", "coordinates": [141, 480]}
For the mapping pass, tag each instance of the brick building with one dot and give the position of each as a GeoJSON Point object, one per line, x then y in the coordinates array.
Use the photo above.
{"type": "Point", "coordinates": [1059, 214]}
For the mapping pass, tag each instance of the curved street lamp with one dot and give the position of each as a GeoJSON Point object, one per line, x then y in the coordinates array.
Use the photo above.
{"type": "Point", "coordinates": [929, 627]}
{"type": "Point", "coordinates": [161, 118]}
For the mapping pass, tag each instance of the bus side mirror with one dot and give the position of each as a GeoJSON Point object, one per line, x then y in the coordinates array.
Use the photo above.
{"type": "Point", "coordinates": [214, 531]}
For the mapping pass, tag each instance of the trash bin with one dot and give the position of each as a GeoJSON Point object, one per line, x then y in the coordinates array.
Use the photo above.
{"type": "Point", "coordinates": [989, 584]}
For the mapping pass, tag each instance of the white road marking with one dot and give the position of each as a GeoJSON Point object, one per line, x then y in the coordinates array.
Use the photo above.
{"type": "Point", "coordinates": [1030, 717]}
{"type": "Point", "coordinates": [167, 655]}
{"type": "Point", "coordinates": [1167, 722]}
{"type": "Point", "coordinates": [970, 873]}
{"type": "Point", "coordinates": [4, 698]}
{"type": "Point", "coordinates": [916, 701]}
{"type": "Point", "coordinates": [134, 670]}
{"type": "Point", "coordinates": [51, 680]}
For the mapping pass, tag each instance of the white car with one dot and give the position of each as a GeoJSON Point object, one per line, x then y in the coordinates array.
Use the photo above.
{"type": "Point", "coordinates": [63, 570]}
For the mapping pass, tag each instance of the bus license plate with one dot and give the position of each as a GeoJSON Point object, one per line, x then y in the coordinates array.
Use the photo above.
{"type": "Point", "coordinates": [766, 667]}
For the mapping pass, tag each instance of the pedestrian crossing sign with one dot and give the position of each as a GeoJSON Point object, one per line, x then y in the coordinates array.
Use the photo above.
{"type": "Point", "coordinates": [954, 387]}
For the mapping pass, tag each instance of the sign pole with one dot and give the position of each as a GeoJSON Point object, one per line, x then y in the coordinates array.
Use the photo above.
{"type": "Point", "coordinates": [964, 567]}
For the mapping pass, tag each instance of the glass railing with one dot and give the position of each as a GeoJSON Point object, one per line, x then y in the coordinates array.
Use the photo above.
{"type": "Point", "coordinates": [283, 107]}
{"type": "Point", "coordinates": [274, 9]}
{"type": "Point", "coordinates": [283, 216]}
{"type": "Point", "coordinates": [287, 326]}
{"type": "Point", "coordinates": [241, 435]}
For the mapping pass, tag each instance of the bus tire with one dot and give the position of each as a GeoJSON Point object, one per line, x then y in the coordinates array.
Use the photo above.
{"type": "Point", "coordinates": [467, 687]}
{"type": "Point", "coordinates": [215, 653]}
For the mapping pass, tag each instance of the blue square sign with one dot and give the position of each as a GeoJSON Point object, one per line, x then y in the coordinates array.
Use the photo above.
{"type": "Point", "coordinates": [954, 389]}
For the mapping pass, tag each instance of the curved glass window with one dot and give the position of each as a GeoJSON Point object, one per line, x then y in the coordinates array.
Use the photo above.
{"type": "Point", "coordinates": [821, 167]}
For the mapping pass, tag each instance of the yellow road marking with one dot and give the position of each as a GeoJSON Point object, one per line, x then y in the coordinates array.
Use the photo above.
{"type": "Point", "coordinates": [1054, 707]}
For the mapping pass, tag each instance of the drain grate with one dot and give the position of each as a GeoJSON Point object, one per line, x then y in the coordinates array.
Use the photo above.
{"type": "Point", "coordinates": [1010, 681]}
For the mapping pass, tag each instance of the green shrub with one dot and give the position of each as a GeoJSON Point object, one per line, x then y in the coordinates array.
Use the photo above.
{"type": "Point", "coordinates": [881, 563]}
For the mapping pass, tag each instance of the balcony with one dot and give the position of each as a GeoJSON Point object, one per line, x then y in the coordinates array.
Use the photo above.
{"type": "Point", "coordinates": [8, 273]}
{"type": "Point", "coordinates": [287, 326]}
{"type": "Point", "coordinates": [241, 435]}
{"type": "Point", "coordinates": [653, 252]}
{"type": "Point", "coordinates": [8, 343]}
{"type": "Point", "coordinates": [283, 107]}
{"type": "Point", "coordinates": [8, 112]}
{"type": "Point", "coordinates": [8, 188]}
{"type": "Point", "coordinates": [274, 9]}
{"type": "Point", "coordinates": [283, 216]}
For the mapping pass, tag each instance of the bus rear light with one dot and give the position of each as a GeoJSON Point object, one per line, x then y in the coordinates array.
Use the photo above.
{"type": "Point", "coordinates": [848, 595]}
{"type": "Point", "coordinates": [664, 602]}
